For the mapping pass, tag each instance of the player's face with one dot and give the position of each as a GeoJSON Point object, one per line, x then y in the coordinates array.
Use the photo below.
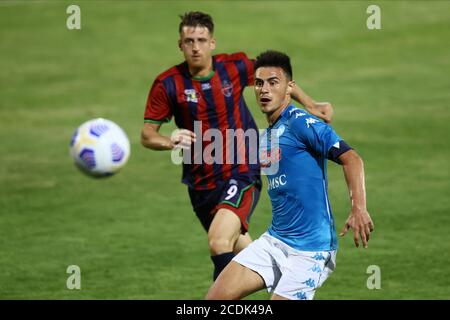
{"type": "Point", "coordinates": [272, 89]}
{"type": "Point", "coordinates": [197, 44]}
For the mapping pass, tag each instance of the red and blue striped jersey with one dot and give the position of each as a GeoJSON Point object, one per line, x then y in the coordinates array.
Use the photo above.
{"type": "Point", "coordinates": [219, 104]}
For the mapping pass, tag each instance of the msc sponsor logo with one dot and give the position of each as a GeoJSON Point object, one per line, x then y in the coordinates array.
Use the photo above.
{"type": "Point", "coordinates": [277, 181]}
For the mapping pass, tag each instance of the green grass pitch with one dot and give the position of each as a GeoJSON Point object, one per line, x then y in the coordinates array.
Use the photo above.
{"type": "Point", "coordinates": [134, 235]}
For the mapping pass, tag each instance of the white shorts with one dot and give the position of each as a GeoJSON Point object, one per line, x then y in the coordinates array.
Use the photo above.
{"type": "Point", "coordinates": [287, 272]}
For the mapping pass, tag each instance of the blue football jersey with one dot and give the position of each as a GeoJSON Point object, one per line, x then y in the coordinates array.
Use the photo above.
{"type": "Point", "coordinates": [293, 155]}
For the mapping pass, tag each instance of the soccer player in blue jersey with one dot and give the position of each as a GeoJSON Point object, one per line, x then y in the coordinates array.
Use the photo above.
{"type": "Point", "coordinates": [208, 89]}
{"type": "Point", "coordinates": [297, 253]}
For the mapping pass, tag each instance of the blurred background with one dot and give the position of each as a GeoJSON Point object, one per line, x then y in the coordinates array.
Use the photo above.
{"type": "Point", "coordinates": [134, 235]}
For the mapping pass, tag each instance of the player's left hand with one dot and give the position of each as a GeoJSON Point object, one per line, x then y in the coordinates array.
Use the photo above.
{"type": "Point", "coordinates": [324, 110]}
{"type": "Point", "coordinates": [361, 224]}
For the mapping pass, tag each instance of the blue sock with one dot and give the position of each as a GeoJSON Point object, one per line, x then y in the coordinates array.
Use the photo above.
{"type": "Point", "coordinates": [220, 262]}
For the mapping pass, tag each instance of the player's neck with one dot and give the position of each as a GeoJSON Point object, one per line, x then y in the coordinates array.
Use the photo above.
{"type": "Point", "coordinates": [200, 72]}
{"type": "Point", "coordinates": [273, 117]}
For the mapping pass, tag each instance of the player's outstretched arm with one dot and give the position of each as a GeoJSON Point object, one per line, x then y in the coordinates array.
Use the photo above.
{"type": "Point", "coordinates": [152, 139]}
{"type": "Point", "coordinates": [323, 110]}
{"type": "Point", "coordinates": [359, 219]}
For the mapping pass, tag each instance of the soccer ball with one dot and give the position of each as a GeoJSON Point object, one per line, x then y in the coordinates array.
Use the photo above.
{"type": "Point", "coordinates": [100, 147]}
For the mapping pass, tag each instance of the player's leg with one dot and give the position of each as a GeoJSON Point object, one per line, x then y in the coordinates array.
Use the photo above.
{"type": "Point", "coordinates": [224, 213]}
{"type": "Point", "coordinates": [254, 268]}
{"type": "Point", "coordinates": [224, 231]}
{"type": "Point", "coordinates": [223, 234]}
{"type": "Point", "coordinates": [221, 223]}
{"type": "Point", "coordinates": [235, 282]}
{"type": "Point", "coordinates": [234, 208]}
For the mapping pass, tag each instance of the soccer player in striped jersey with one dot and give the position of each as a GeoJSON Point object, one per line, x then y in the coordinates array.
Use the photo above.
{"type": "Point", "coordinates": [202, 94]}
{"type": "Point", "coordinates": [297, 253]}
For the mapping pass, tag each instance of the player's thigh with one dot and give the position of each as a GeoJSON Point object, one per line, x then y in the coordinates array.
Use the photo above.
{"type": "Point", "coordinates": [225, 226]}
{"type": "Point", "coordinates": [235, 282]}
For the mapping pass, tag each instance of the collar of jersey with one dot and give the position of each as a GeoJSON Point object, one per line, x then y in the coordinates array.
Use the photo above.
{"type": "Point", "coordinates": [205, 78]}
{"type": "Point", "coordinates": [286, 110]}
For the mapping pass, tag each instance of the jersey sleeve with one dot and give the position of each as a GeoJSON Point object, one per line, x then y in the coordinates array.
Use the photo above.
{"type": "Point", "coordinates": [314, 134]}
{"type": "Point", "coordinates": [250, 64]}
{"type": "Point", "coordinates": [158, 107]}
{"type": "Point", "coordinates": [245, 67]}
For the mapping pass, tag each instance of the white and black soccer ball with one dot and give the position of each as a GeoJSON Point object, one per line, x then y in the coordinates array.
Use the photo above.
{"type": "Point", "coordinates": [100, 147]}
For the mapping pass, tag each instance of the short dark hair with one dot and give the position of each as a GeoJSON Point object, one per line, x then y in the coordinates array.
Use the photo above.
{"type": "Point", "coordinates": [196, 18]}
{"type": "Point", "coordinates": [272, 58]}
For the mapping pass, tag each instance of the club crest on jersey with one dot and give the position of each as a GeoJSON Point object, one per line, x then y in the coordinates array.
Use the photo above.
{"type": "Point", "coordinates": [227, 88]}
{"type": "Point", "coordinates": [191, 95]}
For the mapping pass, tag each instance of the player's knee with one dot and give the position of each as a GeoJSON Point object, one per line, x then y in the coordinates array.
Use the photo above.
{"type": "Point", "coordinates": [219, 244]}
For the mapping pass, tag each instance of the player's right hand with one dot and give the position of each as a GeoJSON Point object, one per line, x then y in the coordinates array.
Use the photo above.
{"type": "Point", "coordinates": [324, 110]}
{"type": "Point", "coordinates": [182, 139]}
{"type": "Point", "coordinates": [362, 225]}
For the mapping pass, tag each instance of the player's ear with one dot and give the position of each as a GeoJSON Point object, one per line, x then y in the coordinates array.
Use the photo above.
{"type": "Point", "coordinates": [290, 87]}
{"type": "Point", "coordinates": [213, 43]}
{"type": "Point", "coordinates": [179, 45]}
